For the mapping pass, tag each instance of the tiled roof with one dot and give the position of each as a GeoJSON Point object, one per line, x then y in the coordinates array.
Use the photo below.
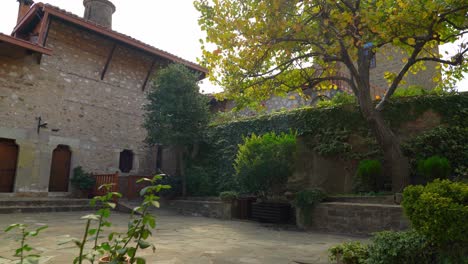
{"type": "Point", "coordinates": [58, 12]}
{"type": "Point", "coordinates": [24, 44]}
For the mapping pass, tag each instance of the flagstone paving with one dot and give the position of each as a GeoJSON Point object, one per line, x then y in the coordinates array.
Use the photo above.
{"type": "Point", "coordinates": [181, 239]}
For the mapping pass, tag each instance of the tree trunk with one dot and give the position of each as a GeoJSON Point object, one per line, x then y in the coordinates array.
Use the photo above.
{"type": "Point", "coordinates": [396, 165]}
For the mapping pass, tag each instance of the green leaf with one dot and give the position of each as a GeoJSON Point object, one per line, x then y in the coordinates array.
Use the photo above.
{"type": "Point", "coordinates": [143, 244]}
{"type": "Point", "coordinates": [11, 227]}
{"type": "Point", "coordinates": [155, 204]}
{"type": "Point", "coordinates": [140, 260]}
{"type": "Point", "coordinates": [92, 217]}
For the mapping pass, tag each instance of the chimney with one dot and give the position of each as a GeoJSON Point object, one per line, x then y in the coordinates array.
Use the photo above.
{"type": "Point", "coordinates": [99, 12]}
{"type": "Point", "coordinates": [24, 6]}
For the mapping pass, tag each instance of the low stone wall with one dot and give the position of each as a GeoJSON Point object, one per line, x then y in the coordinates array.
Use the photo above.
{"type": "Point", "coordinates": [354, 218]}
{"type": "Point", "coordinates": [213, 209]}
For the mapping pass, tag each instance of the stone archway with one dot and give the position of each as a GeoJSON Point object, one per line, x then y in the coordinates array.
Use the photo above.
{"type": "Point", "coordinates": [8, 164]}
{"type": "Point", "coordinates": [60, 169]}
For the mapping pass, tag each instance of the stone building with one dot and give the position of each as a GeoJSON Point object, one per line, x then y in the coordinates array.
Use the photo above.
{"type": "Point", "coordinates": [71, 94]}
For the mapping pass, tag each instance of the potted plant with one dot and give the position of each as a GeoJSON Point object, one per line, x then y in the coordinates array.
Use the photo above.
{"type": "Point", "coordinates": [82, 182]}
{"type": "Point", "coordinates": [263, 164]}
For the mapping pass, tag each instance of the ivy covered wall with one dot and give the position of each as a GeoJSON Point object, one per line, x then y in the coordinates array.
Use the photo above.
{"type": "Point", "coordinates": [332, 133]}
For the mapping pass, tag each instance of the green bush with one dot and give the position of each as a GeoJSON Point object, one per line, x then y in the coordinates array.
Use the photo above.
{"type": "Point", "coordinates": [349, 253]}
{"type": "Point", "coordinates": [228, 196]}
{"type": "Point", "coordinates": [263, 163]}
{"type": "Point", "coordinates": [399, 247]}
{"type": "Point", "coordinates": [366, 176]}
{"type": "Point", "coordinates": [439, 211]}
{"type": "Point", "coordinates": [305, 200]}
{"type": "Point", "coordinates": [435, 167]}
{"type": "Point", "coordinates": [449, 142]}
{"type": "Point", "coordinates": [339, 99]}
{"type": "Point", "coordinates": [199, 182]}
{"type": "Point", "coordinates": [82, 180]}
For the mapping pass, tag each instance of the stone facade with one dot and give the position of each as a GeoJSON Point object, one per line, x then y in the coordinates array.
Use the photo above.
{"type": "Point", "coordinates": [97, 118]}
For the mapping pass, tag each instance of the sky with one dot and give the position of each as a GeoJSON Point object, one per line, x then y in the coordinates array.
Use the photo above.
{"type": "Point", "coordinates": [170, 25]}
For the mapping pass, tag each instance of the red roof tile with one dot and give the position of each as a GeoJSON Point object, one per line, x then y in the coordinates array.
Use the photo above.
{"type": "Point", "coordinates": [63, 14]}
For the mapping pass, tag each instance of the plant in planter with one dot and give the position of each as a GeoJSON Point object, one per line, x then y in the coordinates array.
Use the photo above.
{"type": "Point", "coordinates": [263, 164]}
{"type": "Point", "coordinates": [305, 201]}
{"type": "Point", "coordinates": [435, 167]}
{"type": "Point", "coordinates": [83, 182]}
{"type": "Point", "coordinates": [122, 248]}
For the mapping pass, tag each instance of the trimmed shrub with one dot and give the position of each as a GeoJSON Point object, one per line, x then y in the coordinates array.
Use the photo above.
{"type": "Point", "coordinates": [263, 163]}
{"type": "Point", "coordinates": [399, 247]}
{"type": "Point", "coordinates": [349, 253]}
{"type": "Point", "coordinates": [228, 196]}
{"type": "Point", "coordinates": [438, 210]}
{"type": "Point", "coordinates": [366, 176]}
{"type": "Point", "coordinates": [435, 167]}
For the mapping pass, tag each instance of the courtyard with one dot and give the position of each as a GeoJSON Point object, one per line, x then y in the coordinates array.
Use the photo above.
{"type": "Point", "coordinates": [181, 239]}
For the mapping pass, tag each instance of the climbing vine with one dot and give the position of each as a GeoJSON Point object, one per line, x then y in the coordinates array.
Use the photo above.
{"type": "Point", "coordinates": [331, 129]}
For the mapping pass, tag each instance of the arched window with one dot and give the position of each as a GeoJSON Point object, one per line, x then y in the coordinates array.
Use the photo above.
{"type": "Point", "coordinates": [126, 161]}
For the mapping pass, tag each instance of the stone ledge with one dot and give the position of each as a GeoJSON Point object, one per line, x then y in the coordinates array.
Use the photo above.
{"type": "Point", "coordinates": [213, 209]}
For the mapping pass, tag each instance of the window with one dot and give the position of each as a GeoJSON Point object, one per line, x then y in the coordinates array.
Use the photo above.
{"type": "Point", "coordinates": [126, 161]}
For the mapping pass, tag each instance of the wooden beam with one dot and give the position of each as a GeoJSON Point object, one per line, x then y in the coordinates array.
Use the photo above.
{"type": "Point", "coordinates": [148, 75]}
{"type": "Point", "coordinates": [44, 28]}
{"type": "Point", "coordinates": [109, 58]}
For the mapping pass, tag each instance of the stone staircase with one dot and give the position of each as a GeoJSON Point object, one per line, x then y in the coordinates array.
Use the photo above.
{"type": "Point", "coordinates": [40, 205]}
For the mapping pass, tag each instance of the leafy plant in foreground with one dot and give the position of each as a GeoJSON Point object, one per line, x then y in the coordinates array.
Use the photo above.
{"type": "Point", "coordinates": [23, 252]}
{"type": "Point", "coordinates": [349, 253]}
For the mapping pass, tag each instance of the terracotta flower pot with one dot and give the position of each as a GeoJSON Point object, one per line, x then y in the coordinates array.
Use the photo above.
{"type": "Point", "coordinates": [105, 260]}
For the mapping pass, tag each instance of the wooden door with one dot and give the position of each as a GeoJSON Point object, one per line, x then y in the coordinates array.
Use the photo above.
{"type": "Point", "coordinates": [60, 169]}
{"type": "Point", "coordinates": [8, 162]}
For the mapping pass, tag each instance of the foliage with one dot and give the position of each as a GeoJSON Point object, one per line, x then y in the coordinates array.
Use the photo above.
{"type": "Point", "coordinates": [121, 246]}
{"type": "Point", "coordinates": [199, 181]}
{"type": "Point", "coordinates": [176, 113]}
{"type": "Point", "coordinates": [435, 167]}
{"type": "Point", "coordinates": [339, 99]}
{"type": "Point", "coordinates": [335, 125]}
{"type": "Point", "coordinates": [367, 174]}
{"type": "Point", "coordinates": [176, 187]}
{"type": "Point", "coordinates": [275, 47]}
{"type": "Point", "coordinates": [450, 142]}
{"type": "Point", "coordinates": [407, 247]}
{"type": "Point", "coordinates": [306, 200]}
{"type": "Point", "coordinates": [349, 253]}
{"type": "Point", "coordinates": [264, 163]}
{"type": "Point", "coordinates": [415, 90]}
{"type": "Point", "coordinates": [228, 196]}
{"type": "Point", "coordinates": [438, 210]}
{"type": "Point", "coordinates": [82, 180]}
{"type": "Point", "coordinates": [24, 251]}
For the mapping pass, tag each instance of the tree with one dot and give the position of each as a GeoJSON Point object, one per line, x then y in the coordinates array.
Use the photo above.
{"type": "Point", "coordinates": [265, 47]}
{"type": "Point", "coordinates": [176, 113]}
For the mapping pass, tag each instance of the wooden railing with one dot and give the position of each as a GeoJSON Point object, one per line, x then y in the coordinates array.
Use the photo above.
{"type": "Point", "coordinates": [134, 188]}
{"type": "Point", "coordinates": [102, 179]}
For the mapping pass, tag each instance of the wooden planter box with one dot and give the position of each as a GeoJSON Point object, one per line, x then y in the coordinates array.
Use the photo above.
{"type": "Point", "coordinates": [278, 213]}
{"type": "Point", "coordinates": [242, 207]}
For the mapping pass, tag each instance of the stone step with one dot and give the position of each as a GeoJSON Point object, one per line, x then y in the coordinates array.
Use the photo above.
{"type": "Point", "coordinates": [42, 209]}
{"type": "Point", "coordinates": [386, 199]}
{"type": "Point", "coordinates": [42, 202]}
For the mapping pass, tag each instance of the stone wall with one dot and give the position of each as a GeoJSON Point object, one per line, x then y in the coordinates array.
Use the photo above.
{"type": "Point", "coordinates": [354, 218]}
{"type": "Point", "coordinates": [96, 118]}
{"type": "Point", "coordinates": [213, 209]}
{"type": "Point", "coordinates": [335, 174]}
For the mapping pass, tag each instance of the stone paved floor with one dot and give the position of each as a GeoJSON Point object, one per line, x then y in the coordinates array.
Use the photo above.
{"type": "Point", "coordinates": [182, 239]}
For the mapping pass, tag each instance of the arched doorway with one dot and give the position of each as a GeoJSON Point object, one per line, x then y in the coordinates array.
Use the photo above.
{"type": "Point", "coordinates": [60, 169]}
{"type": "Point", "coordinates": [8, 163]}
